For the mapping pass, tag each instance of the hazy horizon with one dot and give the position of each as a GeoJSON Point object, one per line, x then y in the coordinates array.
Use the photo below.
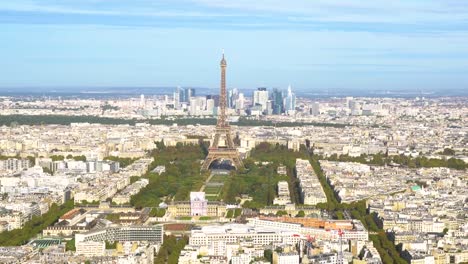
{"type": "Point", "coordinates": [132, 91]}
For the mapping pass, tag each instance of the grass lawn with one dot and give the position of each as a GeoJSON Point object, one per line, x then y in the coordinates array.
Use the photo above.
{"type": "Point", "coordinates": [219, 178]}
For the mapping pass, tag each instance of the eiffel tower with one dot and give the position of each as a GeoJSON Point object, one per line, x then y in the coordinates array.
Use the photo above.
{"type": "Point", "coordinates": [216, 152]}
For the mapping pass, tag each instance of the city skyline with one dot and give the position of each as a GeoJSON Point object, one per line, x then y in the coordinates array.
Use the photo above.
{"type": "Point", "coordinates": [108, 44]}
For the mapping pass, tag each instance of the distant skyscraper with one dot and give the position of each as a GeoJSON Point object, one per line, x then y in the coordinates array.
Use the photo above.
{"type": "Point", "coordinates": [240, 102]}
{"type": "Point", "coordinates": [178, 95]}
{"type": "Point", "coordinates": [215, 97]}
{"type": "Point", "coordinates": [197, 105]}
{"type": "Point", "coordinates": [290, 100]}
{"type": "Point", "coordinates": [349, 102]}
{"type": "Point", "coordinates": [261, 98]}
{"type": "Point", "coordinates": [315, 109]}
{"type": "Point", "coordinates": [210, 105]}
{"type": "Point", "coordinates": [188, 93]}
{"type": "Point", "coordinates": [269, 109]}
{"type": "Point", "coordinates": [232, 95]}
{"type": "Point", "coordinates": [277, 101]}
{"type": "Point", "coordinates": [142, 100]}
{"type": "Point", "coordinates": [354, 105]}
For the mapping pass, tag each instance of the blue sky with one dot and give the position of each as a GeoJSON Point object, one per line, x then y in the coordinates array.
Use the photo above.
{"type": "Point", "coordinates": [310, 44]}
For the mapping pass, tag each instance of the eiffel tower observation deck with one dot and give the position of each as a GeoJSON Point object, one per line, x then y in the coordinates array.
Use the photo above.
{"type": "Point", "coordinates": [223, 131]}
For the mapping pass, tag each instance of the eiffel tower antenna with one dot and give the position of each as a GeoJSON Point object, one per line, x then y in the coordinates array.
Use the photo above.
{"type": "Point", "coordinates": [215, 152]}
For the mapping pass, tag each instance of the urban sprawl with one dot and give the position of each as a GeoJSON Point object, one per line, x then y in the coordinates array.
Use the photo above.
{"type": "Point", "coordinates": [330, 180]}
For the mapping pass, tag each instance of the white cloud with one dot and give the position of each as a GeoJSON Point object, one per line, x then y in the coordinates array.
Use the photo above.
{"type": "Point", "coordinates": [429, 14]}
{"type": "Point", "coordinates": [29, 6]}
{"type": "Point", "coordinates": [148, 11]}
{"type": "Point", "coordinates": [395, 11]}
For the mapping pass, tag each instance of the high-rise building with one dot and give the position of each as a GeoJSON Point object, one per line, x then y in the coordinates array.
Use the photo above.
{"type": "Point", "coordinates": [232, 95]}
{"type": "Point", "coordinates": [210, 105]}
{"type": "Point", "coordinates": [142, 100]}
{"type": "Point", "coordinates": [355, 107]}
{"type": "Point", "coordinates": [277, 101]}
{"type": "Point", "coordinates": [269, 108]}
{"type": "Point", "coordinates": [315, 109]}
{"type": "Point", "coordinates": [260, 97]}
{"type": "Point", "coordinates": [215, 97]}
{"type": "Point", "coordinates": [240, 102]}
{"type": "Point", "coordinates": [349, 102]}
{"type": "Point", "coordinates": [290, 101]}
{"type": "Point", "coordinates": [188, 93]}
{"type": "Point", "coordinates": [197, 105]}
{"type": "Point", "coordinates": [178, 97]}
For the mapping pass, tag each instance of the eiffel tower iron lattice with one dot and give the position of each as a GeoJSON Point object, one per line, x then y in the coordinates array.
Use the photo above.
{"type": "Point", "coordinates": [229, 151]}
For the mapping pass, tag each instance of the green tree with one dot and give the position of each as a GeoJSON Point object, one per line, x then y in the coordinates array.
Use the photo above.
{"type": "Point", "coordinates": [157, 212]}
{"type": "Point", "coordinates": [448, 151]}
{"type": "Point", "coordinates": [300, 214]}
{"type": "Point", "coordinates": [32, 160]}
{"type": "Point", "coordinates": [268, 255]}
{"type": "Point", "coordinates": [80, 158]}
{"type": "Point", "coordinates": [70, 245]}
{"type": "Point", "coordinates": [123, 162]}
{"type": "Point", "coordinates": [31, 228]}
{"type": "Point", "coordinates": [339, 215]}
{"type": "Point", "coordinates": [445, 231]}
{"type": "Point", "coordinates": [47, 170]}
{"type": "Point", "coordinates": [281, 213]}
{"type": "Point", "coordinates": [230, 213]}
{"type": "Point", "coordinates": [111, 245]}
{"type": "Point", "coordinates": [170, 250]}
{"type": "Point", "coordinates": [178, 180]}
{"type": "Point", "coordinates": [237, 212]}
{"type": "Point", "coordinates": [57, 157]}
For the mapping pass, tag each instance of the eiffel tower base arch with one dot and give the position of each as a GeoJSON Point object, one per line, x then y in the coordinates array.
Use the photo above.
{"type": "Point", "coordinates": [220, 153]}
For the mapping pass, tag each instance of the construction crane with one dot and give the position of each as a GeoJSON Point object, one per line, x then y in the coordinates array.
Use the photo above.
{"type": "Point", "coordinates": [305, 243]}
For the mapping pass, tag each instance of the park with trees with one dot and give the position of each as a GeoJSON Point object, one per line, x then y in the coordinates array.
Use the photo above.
{"type": "Point", "coordinates": [15, 120]}
{"type": "Point", "coordinates": [31, 228]}
{"type": "Point", "coordinates": [381, 159]}
{"type": "Point", "coordinates": [181, 177]}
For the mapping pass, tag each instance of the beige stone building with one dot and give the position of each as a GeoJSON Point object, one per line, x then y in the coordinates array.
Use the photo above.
{"type": "Point", "coordinates": [183, 208]}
